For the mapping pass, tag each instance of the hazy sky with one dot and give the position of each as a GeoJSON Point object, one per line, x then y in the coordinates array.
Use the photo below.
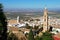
{"type": "Point", "coordinates": [30, 3]}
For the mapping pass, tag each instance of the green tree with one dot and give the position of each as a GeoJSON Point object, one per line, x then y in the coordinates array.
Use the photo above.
{"type": "Point", "coordinates": [37, 38]}
{"type": "Point", "coordinates": [3, 24]}
{"type": "Point", "coordinates": [30, 35]}
{"type": "Point", "coordinates": [46, 36]}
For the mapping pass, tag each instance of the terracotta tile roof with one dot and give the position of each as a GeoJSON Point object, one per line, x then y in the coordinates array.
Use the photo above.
{"type": "Point", "coordinates": [12, 21]}
{"type": "Point", "coordinates": [24, 29]}
{"type": "Point", "coordinates": [13, 28]}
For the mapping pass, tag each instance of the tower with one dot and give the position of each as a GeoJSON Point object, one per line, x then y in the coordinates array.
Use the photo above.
{"type": "Point", "coordinates": [45, 20]}
{"type": "Point", "coordinates": [17, 19]}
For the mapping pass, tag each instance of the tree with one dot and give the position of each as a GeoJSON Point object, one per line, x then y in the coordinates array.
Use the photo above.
{"type": "Point", "coordinates": [50, 29]}
{"type": "Point", "coordinates": [30, 35]}
{"type": "Point", "coordinates": [46, 36]}
{"type": "Point", "coordinates": [3, 24]}
{"type": "Point", "coordinates": [37, 38]}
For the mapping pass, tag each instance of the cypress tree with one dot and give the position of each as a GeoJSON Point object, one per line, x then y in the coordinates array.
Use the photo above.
{"type": "Point", "coordinates": [3, 24]}
{"type": "Point", "coordinates": [31, 36]}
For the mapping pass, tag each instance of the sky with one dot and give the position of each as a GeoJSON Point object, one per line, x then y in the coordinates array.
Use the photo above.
{"type": "Point", "coordinates": [30, 3]}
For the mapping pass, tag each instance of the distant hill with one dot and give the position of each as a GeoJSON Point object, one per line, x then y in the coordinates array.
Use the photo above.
{"type": "Point", "coordinates": [23, 10]}
{"type": "Point", "coordinates": [57, 10]}
{"type": "Point", "coordinates": [23, 13]}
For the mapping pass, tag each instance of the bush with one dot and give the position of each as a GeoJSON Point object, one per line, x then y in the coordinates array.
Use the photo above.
{"type": "Point", "coordinates": [12, 36]}
{"type": "Point", "coordinates": [45, 36]}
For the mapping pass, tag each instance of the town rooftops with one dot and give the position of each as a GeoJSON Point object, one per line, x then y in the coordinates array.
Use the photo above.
{"type": "Point", "coordinates": [56, 26]}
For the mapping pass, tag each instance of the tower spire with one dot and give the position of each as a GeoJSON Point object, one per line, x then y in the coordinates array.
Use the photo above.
{"type": "Point", "coordinates": [45, 8]}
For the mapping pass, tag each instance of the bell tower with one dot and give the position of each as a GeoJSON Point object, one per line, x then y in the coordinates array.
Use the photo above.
{"type": "Point", "coordinates": [18, 19]}
{"type": "Point", "coordinates": [45, 20]}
